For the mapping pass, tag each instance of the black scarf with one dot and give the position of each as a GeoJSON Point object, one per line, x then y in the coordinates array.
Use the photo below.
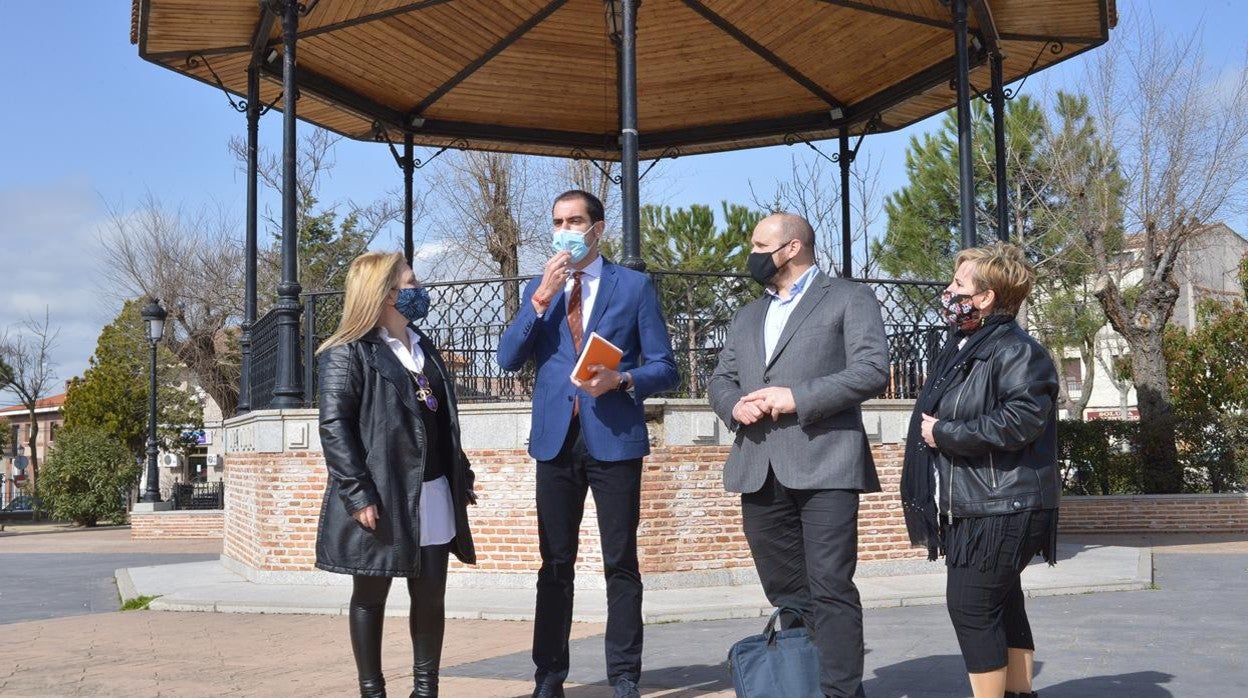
{"type": "Point", "coordinates": [918, 479]}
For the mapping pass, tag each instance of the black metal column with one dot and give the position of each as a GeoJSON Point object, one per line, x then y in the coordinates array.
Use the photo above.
{"type": "Point", "coordinates": [630, 200]}
{"type": "Point", "coordinates": [845, 158]}
{"type": "Point", "coordinates": [998, 136]}
{"type": "Point", "coordinates": [409, 167]}
{"type": "Point", "coordinates": [966, 172]}
{"type": "Point", "coordinates": [288, 387]}
{"type": "Point", "coordinates": [250, 245]}
{"type": "Point", "coordinates": [151, 493]}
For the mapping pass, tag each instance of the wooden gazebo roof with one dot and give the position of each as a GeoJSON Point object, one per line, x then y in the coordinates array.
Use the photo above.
{"type": "Point", "coordinates": [539, 76]}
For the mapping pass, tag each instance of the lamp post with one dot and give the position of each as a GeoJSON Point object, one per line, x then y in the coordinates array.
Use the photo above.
{"type": "Point", "coordinates": [154, 316]}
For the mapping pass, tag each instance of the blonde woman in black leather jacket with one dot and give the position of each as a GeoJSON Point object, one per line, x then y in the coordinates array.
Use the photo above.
{"type": "Point", "coordinates": [399, 483]}
{"type": "Point", "coordinates": [980, 480]}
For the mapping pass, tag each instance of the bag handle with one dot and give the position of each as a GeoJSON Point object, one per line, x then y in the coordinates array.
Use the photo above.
{"type": "Point", "coordinates": [770, 631]}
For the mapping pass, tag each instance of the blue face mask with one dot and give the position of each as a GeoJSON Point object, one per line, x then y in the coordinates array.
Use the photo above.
{"type": "Point", "coordinates": [413, 303]}
{"type": "Point", "coordinates": [571, 241]}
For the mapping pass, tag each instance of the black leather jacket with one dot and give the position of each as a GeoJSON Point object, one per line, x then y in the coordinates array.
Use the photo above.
{"type": "Point", "coordinates": [997, 435]}
{"type": "Point", "coordinates": [373, 439]}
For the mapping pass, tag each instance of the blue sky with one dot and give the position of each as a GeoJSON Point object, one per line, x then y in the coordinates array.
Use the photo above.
{"type": "Point", "coordinates": [89, 126]}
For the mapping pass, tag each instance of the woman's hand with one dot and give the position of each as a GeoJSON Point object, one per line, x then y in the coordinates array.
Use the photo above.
{"type": "Point", "coordinates": [929, 422]}
{"type": "Point", "coordinates": [367, 517]}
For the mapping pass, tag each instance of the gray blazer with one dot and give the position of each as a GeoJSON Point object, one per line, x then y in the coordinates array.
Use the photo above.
{"type": "Point", "coordinates": [833, 354]}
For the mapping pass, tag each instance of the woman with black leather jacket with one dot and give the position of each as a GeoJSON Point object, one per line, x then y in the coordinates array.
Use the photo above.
{"type": "Point", "coordinates": [399, 483]}
{"type": "Point", "coordinates": [980, 482]}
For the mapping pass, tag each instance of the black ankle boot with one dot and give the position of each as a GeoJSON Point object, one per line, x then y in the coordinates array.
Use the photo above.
{"type": "Point", "coordinates": [425, 682]}
{"type": "Point", "coordinates": [1011, 694]}
{"type": "Point", "coordinates": [373, 688]}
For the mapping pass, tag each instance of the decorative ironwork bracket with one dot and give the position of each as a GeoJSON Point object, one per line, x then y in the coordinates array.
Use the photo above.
{"type": "Point", "coordinates": [1054, 47]}
{"type": "Point", "coordinates": [239, 105]}
{"type": "Point", "coordinates": [873, 124]}
{"type": "Point", "coordinates": [195, 59]}
{"type": "Point", "coordinates": [670, 151]}
{"type": "Point", "coordinates": [382, 134]}
{"type": "Point", "coordinates": [579, 154]}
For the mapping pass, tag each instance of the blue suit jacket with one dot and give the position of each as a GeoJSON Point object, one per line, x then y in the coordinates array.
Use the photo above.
{"type": "Point", "coordinates": [626, 312]}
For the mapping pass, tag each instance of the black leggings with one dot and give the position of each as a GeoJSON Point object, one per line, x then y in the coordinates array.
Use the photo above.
{"type": "Point", "coordinates": [985, 599]}
{"type": "Point", "coordinates": [426, 622]}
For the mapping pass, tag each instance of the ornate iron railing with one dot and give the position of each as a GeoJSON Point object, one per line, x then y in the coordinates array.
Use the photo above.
{"type": "Point", "coordinates": [467, 318]}
{"type": "Point", "coordinates": [263, 360]}
{"type": "Point", "coordinates": [198, 495]}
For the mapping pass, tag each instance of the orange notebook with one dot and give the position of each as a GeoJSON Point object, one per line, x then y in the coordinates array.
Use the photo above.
{"type": "Point", "coordinates": [597, 351]}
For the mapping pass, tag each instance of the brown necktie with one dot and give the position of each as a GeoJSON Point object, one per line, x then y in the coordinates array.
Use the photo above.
{"type": "Point", "coordinates": [575, 325]}
{"type": "Point", "coordinates": [574, 312]}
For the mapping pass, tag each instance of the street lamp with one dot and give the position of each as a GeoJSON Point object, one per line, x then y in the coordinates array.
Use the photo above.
{"type": "Point", "coordinates": [154, 316]}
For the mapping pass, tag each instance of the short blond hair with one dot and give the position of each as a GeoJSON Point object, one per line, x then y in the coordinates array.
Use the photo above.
{"type": "Point", "coordinates": [1003, 269]}
{"type": "Point", "coordinates": [372, 275]}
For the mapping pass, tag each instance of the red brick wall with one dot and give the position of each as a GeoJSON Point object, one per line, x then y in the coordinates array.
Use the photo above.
{"type": "Point", "coordinates": [1171, 513]}
{"type": "Point", "coordinates": [272, 501]}
{"type": "Point", "coordinates": [688, 522]}
{"type": "Point", "coordinates": [164, 525]}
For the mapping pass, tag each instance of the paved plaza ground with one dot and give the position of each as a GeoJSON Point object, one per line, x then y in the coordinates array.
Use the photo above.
{"type": "Point", "coordinates": [63, 635]}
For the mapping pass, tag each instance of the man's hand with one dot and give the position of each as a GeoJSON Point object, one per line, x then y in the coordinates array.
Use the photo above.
{"type": "Point", "coordinates": [773, 401]}
{"type": "Point", "coordinates": [603, 380]}
{"type": "Point", "coordinates": [367, 517]}
{"type": "Point", "coordinates": [554, 275]}
{"type": "Point", "coordinates": [746, 412]}
{"type": "Point", "coordinates": [472, 496]}
{"type": "Point", "coordinates": [929, 422]}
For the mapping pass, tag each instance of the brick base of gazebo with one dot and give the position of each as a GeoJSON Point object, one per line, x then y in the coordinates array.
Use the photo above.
{"type": "Point", "coordinates": [690, 533]}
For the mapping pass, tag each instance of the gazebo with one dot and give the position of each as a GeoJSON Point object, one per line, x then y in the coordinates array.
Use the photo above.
{"type": "Point", "coordinates": [625, 80]}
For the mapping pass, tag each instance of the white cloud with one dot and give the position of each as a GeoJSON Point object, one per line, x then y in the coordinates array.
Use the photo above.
{"type": "Point", "coordinates": [48, 232]}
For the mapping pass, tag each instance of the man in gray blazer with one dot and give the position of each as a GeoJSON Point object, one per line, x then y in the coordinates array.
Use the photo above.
{"type": "Point", "coordinates": [795, 368]}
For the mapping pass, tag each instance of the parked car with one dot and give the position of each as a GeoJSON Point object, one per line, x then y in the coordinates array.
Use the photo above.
{"type": "Point", "coordinates": [23, 502]}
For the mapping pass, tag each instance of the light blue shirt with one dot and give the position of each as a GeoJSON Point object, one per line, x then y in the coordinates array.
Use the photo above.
{"type": "Point", "coordinates": [780, 309]}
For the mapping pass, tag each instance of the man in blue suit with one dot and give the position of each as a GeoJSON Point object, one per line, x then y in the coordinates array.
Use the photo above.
{"type": "Point", "coordinates": [588, 434]}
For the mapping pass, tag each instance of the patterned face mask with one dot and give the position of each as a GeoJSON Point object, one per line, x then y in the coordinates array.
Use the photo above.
{"type": "Point", "coordinates": [413, 303]}
{"type": "Point", "coordinates": [959, 311]}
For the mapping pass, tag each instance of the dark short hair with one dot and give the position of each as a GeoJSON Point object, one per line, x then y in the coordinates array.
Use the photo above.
{"type": "Point", "coordinates": [592, 205]}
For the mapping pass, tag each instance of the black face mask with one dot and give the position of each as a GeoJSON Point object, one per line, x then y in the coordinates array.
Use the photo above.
{"type": "Point", "coordinates": [762, 267]}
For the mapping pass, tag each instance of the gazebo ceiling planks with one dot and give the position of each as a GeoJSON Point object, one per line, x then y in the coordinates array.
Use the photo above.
{"type": "Point", "coordinates": [539, 76]}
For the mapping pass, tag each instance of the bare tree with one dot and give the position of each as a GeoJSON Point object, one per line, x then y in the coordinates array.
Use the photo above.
{"type": "Point", "coordinates": [1181, 135]}
{"type": "Point", "coordinates": [331, 233]}
{"type": "Point", "coordinates": [490, 201]}
{"type": "Point", "coordinates": [193, 264]}
{"type": "Point", "coordinates": [30, 374]}
{"type": "Point", "coordinates": [813, 191]}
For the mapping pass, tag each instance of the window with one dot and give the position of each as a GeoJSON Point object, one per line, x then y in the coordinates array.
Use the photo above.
{"type": "Point", "coordinates": [1072, 374]}
{"type": "Point", "coordinates": [17, 438]}
{"type": "Point", "coordinates": [52, 431]}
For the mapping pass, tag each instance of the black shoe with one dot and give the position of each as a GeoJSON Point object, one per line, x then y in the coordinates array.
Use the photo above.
{"type": "Point", "coordinates": [545, 690]}
{"type": "Point", "coordinates": [373, 688]}
{"type": "Point", "coordinates": [426, 684]}
{"type": "Point", "coordinates": [626, 688]}
{"type": "Point", "coordinates": [1011, 694]}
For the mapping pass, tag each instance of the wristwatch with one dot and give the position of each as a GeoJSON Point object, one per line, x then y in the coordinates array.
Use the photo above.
{"type": "Point", "coordinates": [626, 383]}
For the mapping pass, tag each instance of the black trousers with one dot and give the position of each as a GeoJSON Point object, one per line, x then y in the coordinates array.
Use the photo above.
{"type": "Point", "coordinates": [986, 602]}
{"type": "Point", "coordinates": [426, 623]}
{"type": "Point", "coordinates": [805, 548]}
{"type": "Point", "coordinates": [561, 487]}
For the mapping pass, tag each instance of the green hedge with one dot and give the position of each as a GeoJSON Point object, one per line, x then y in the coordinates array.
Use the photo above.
{"type": "Point", "coordinates": [1097, 458]}
{"type": "Point", "coordinates": [86, 476]}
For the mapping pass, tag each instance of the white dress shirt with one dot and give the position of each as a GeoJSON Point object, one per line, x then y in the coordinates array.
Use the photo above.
{"type": "Point", "coordinates": [437, 512]}
{"type": "Point", "coordinates": [779, 310]}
